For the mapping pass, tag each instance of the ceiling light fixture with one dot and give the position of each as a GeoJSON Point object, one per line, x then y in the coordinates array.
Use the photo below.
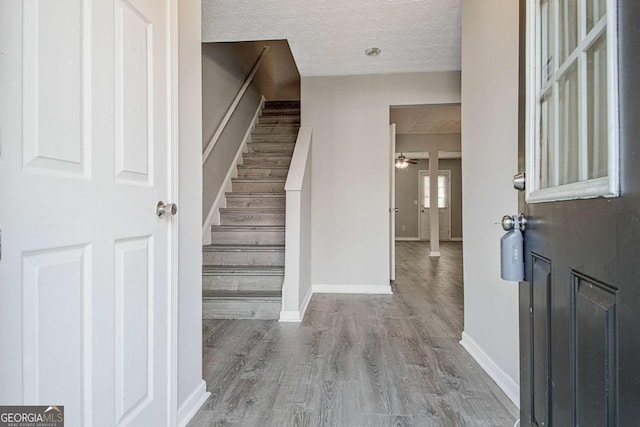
{"type": "Point", "coordinates": [402, 162]}
{"type": "Point", "coordinates": [372, 51]}
{"type": "Point", "coordinates": [401, 165]}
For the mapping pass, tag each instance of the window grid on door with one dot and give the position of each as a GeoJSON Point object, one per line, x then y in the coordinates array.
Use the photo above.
{"type": "Point", "coordinates": [443, 191]}
{"type": "Point", "coordinates": [572, 147]}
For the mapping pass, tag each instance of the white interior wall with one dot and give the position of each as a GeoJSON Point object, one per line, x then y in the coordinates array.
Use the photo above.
{"type": "Point", "coordinates": [490, 149]}
{"type": "Point", "coordinates": [191, 387]}
{"type": "Point", "coordinates": [349, 116]}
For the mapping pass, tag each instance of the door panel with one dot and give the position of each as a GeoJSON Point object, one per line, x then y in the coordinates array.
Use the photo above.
{"type": "Point", "coordinates": [591, 246]}
{"type": "Point", "coordinates": [84, 150]}
{"type": "Point", "coordinates": [133, 325]}
{"type": "Point", "coordinates": [595, 328]}
{"type": "Point", "coordinates": [56, 52]}
{"type": "Point", "coordinates": [540, 340]}
{"type": "Point", "coordinates": [55, 345]}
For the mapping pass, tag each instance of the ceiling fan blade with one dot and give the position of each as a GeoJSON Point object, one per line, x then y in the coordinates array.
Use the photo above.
{"type": "Point", "coordinates": [413, 162]}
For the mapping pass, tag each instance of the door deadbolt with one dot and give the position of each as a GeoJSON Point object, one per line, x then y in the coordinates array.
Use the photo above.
{"type": "Point", "coordinates": [519, 181]}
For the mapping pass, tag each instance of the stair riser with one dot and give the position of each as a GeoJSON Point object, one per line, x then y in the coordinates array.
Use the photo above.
{"type": "Point", "coordinates": [281, 112]}
{"type": "Point", "coordinates": [274, 138]}
{"type": "Point", "coordinates": [247, 237]}
{"type": "Point", "coordinates": [257, 187]}
{"type": "Point", "coordinates": [262, 173]}
{"type": "Point", "coordinates": [262, 148]}
{"type": "Point", "coordinates": [244, 283]}
{"type": "Point", "coordinates": [242, 258]}
{"type": "Point", "coordinates": [234, 218]}
{"type": "Point", "coordinates": [256, 202]}
{"type": "Point", "coordinates": [267, 161]}
{"type": "Point", "coordinates": [280, 120]}
{"type": "Point", "coordinates": [282, 103]}
{"type": "Point", "coordinates": [240, 309]}
{"type": "Point", "coordinates": [276, 130]}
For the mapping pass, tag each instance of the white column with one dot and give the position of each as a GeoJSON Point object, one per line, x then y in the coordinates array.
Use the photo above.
{"type": "Point", "coordinates": [433, 204]}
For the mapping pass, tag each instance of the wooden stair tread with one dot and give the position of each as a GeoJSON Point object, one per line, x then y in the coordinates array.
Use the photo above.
{"type": "Point", "coordinates": [261, 167]}
{"type": "Point", "coordinates": [254, 210]}
{"type": "Point", "coordinates": [260, 155]}
{"type": "Point", "coordinates": [240, 246]}
{"type": "Point", "coordinates": [255, 194]}
{"type": "Point", "coordinates": [248, 227]}
{"type": "Point", "coordinates": [262, 270]}
{"type": "Point", "coordinates": [242, 295]}
{"type": "Point", "coordinates": [258, 179]}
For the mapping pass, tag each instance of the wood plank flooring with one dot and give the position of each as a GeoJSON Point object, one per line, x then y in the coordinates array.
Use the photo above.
{"type": "Point", "coordinates": [357, 360]}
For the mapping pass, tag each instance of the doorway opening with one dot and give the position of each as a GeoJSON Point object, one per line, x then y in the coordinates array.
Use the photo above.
{"type": "Point", "coordinates": [425, 138]}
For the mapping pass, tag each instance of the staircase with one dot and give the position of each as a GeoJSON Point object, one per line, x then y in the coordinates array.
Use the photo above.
{"type": "Point", "coordinates": [243, 268]}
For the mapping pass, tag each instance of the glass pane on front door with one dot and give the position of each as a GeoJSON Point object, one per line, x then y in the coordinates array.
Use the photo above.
{"type": "Point", "coordinates": [569, 127]}
{"type": "Point", "coordinates": [595, 11]}
{"type": "Point", "coordinates": [572, 139]}
{"type": "Point", "coordinates": [548, 148]}
{"type": "Point", "coordinates": [597, 130]}
{"type": "Point", "coordinates": [568, 31]}
{"type": "Point", "coordinates": [548, 41]}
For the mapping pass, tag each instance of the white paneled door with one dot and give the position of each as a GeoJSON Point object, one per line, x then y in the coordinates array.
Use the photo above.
{"type": "Point", "coordinates": [392, 201]}
{"type": "Point", "coordinates": [84, 158]}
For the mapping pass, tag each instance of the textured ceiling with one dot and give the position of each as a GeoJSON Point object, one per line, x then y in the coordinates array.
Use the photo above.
{"type": "Point", "coordinates": [426, 119]}
{"type": "Point", "coordinates": [329, 37]}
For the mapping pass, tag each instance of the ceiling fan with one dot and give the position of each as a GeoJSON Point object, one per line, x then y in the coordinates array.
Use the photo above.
{"type": "Point", "coordinates": [402, 162]}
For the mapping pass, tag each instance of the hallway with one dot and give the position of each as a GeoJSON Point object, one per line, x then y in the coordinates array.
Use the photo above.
{"type": "Point", "coordinates": [357, 360]}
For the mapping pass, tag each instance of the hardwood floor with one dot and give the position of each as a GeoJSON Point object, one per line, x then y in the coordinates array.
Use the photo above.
{"type": "Point", "coordinates": [357, 360]}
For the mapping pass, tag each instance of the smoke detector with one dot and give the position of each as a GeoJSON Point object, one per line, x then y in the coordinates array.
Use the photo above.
{"type": "Point", "coordinates": [372, 51]}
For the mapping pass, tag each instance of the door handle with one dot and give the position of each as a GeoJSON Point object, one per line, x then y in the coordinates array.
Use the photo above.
{"type": "Point", "coordinates": [164, 210]}
{"type": "Point", "coordinates": [511, 222]}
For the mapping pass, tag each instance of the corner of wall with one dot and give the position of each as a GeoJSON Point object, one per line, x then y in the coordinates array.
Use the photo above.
{"type": "Point", "coordinates": [499, 376]}
{"type": "Point", "coordinates": [192, 403]}
{"type": "Point", "coordinates": [296, 315]}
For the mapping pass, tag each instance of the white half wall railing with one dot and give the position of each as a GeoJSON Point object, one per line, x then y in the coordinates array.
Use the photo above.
{"type": "Point", "coordinates": [216, 135]}
{"type": "Point", "coordinates": [296, 289]}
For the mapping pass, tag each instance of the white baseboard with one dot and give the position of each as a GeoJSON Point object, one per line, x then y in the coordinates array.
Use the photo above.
{"type": "Point", "coordinates": [351, 289]}
{"type": "Point", "coordinates": [501, 378]}
{"type": "Point", "coordinates": [407, 239]}
{"type": "Point", "coordinates": [455, 239]}
{"type": "Point", "coordinates": [296, 316]}
{"type": "Point", "coordinates": [434, 254]}
{"type": "Point", "coordinates": [213, 217]}
{"type": "Point", "coordinates": [192, 403]}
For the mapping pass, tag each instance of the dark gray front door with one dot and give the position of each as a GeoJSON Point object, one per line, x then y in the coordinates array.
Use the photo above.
{"type": "Point", "coordinates": [580, 303]}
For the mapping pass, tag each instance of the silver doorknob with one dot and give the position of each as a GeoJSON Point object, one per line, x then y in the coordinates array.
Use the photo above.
{"type": "Point", "coordinates": [510, 222]}
{"type": "Point", "coordinates": [163, 210]}
{"type": "Point", "coordinates": [507, 223]}
{"type": "Point", "coordinates": [396, 209]}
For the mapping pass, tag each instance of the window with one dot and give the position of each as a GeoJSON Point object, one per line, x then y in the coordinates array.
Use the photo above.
{"type": "Point", "coordinates": [443, 191]}
{"type": "Point", "coordinates": [572, 139]}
